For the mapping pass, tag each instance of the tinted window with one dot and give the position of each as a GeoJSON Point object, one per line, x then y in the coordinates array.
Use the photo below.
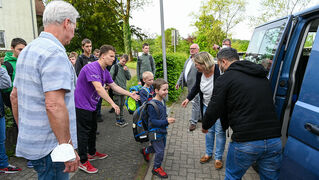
{"type": "Point", "coordinates": [264, 43]}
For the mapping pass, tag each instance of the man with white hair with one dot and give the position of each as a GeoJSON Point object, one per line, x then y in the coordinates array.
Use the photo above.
{"type": "Point", "coordinates": [187, 78]}
{"type": "Point", "coordinates": [44, 87]}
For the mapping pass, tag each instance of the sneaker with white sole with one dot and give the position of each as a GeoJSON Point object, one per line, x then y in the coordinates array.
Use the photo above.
{"type": "Point", "coordinates": [97, 155]}
{"type": "Point", "coordinates": [88, 168]}
{"type": "Point", "coordinates": [10, 169]}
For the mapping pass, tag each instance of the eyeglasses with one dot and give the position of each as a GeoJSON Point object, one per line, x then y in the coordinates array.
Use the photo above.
{"type": "Point", "coordinates": [192, 48]}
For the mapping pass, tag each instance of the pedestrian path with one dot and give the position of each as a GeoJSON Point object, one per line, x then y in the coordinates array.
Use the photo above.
{"type": "Point", "coordinates": [185, 148]}
{"type": "Point", "coordinates": [124, 156]}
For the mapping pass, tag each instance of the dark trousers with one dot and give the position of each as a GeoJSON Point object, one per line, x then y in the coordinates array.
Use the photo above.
{"type": "Point", "coordinates": [157, 147]}
{"type": "Point", "coordinates": [86, 132]}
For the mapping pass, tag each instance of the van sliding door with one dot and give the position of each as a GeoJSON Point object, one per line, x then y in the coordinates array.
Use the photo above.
{"type": "Point", "coordinates": [301, 153]}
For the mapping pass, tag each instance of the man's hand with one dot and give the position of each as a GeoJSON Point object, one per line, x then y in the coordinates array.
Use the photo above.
{"type": "Point", "coordinates": [135, 96]}
{"type": "Point", "coordinates": [176, 86]}
{"type": "Point", "coordinates": [184, 103]}
{"type": "Point", "coordinates": [139, 83]}
{"type": "Point", "coordinates": [205, 131]}
{"type": "Point", "coordinates": [125, 68]}
{"type": "Point", "coordinates": [116, 108]}
{"type": "Point", "coordinates": [170, 120]}
{"type": "Point", "coordinates": [72, 166]}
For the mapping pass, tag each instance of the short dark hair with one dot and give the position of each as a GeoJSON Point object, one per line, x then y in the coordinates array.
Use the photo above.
{"type": "Point", "coordinates": [158, 83]}
{"type": "Point", "coordinates": [96, 51]}
{"type": "Point", "coordinates": [145, 44]}
{"type": "Point", "coordinates": [86, 41]}
{"type": "Point", "coordinates": [229, 54]}
{"type": "Point", "coordinates": [125, 56]}
{"type": "Point", "coordinates": [17, 41]}
{"type": "Point", "coordinates": [227, 40]}
{"type": "Point", "coordinates": [106, 48]}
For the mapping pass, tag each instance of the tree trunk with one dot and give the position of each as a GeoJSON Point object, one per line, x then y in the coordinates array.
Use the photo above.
{"type": "Point", "coordinates": [127, 38]}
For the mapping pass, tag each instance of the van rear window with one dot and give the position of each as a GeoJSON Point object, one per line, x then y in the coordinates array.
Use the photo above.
{"type": "Point", "coordinates": [264, 43]}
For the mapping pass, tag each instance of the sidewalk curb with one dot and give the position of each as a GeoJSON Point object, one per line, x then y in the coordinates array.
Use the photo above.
{"type": "Point", "coordinates": [149, 175]}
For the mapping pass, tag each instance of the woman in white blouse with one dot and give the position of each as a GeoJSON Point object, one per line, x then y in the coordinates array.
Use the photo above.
{"type": "Point", "coordinates": [205, 78]}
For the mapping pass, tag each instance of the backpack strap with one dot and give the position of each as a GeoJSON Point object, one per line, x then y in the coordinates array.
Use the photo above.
{"type": "Point", "coordinates": [9, 68]}
{"type": "Point", "coordinates": [116, 70]}
{"type": "Point", "coordinates": [151, 63]}
{"type": "Point", "coordinates": [139, 62]}
{"type": "Point", "coordinates": [147, 90]}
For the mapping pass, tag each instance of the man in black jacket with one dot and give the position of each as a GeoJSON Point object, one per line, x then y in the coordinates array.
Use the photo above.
{"type": "Point", "coordinates": [242, 98]}
{"type": "Point", "coordinates": [86, 57]}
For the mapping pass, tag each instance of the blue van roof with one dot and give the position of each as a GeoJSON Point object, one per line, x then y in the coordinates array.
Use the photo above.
{"type": "Point", "coordinates": [301, 13]}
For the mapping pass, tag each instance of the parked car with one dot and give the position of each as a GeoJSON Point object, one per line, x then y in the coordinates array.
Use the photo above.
{"type": "Point", "coordinates": [289, 49]}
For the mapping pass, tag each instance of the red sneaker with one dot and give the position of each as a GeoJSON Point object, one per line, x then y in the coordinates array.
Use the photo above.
{"type": "Point", "coordinates": [87, 167]}
{"type": "Point", "coordinates": [97, 155]}
{"type": "Point", "coordinates": [146, 156]}
{"type": "Point", "coordinates": [159, 172]}
{"type": "Point", "coordinates": [10, 169]}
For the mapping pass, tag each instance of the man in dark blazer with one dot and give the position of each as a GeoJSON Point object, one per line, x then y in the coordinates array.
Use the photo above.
{"type": "Point", "coordinates": [188, 78]}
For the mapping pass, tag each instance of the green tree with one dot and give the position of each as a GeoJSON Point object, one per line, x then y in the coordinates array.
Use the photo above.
{"type": "Point", "coordinates": [228, 12]}
{"type": "Point", "coordinates": [272, 9]}
{"type": "Point", "coordinates": [96, 23]}
{"type": "Point", "coordinates": [122, 8]}
{"type": "Point", "coordinates": [240, 45]}
{"type": "Point", "coordinates": [209, 32]}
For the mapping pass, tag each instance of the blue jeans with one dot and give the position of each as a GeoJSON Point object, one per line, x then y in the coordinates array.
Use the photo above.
{"type": "Point", "coordinates": [195, 110]}
{"type": "Point", "coordinates": [241, 155]}
{"type": "Point", "coordinates": [3, 156]}
{"type": "Point", "coordinates": [220, 139]}
{"type": "Point", "coordinates": [48, 170]}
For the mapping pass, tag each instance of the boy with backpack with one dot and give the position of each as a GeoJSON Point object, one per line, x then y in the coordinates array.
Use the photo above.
{"type": "Point", "coordinates": [10, 61]}
{"type": "Point", "coordinates": [147, 91]}
{"type": "Point", "coordinates": [120, 74]}
{"type": "Point", "coordinates": [158, 122]}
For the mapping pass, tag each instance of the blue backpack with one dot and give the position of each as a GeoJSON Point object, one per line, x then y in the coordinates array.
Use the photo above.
{"type": "Point", "coordinates": [141, 123]}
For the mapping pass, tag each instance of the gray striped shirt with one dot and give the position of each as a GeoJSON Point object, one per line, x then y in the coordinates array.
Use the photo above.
{"type": "Point", "coordinates": [43, 66]}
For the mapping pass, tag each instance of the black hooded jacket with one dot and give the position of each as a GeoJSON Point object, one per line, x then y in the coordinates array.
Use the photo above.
{"type": "Point", "coordinates": [242, 98]}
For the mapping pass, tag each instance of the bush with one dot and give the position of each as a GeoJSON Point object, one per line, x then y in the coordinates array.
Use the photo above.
{"type": "Point", "coordinates": [175, 63]}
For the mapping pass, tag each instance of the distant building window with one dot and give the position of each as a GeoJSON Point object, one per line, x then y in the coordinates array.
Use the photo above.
{"type": "Point", "coordinates": [2, 40]}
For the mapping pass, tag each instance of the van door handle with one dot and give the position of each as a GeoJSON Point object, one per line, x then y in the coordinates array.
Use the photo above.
{"type": "Point", "coordinates": [312, 128]}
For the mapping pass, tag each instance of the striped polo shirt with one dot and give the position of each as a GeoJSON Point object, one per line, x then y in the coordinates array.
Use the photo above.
{"type": "Point", "coordinates": [42, 66]}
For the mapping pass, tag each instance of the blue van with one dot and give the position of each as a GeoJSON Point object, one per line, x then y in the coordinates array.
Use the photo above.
{"type": "Point", "coordinates": [289, 49]}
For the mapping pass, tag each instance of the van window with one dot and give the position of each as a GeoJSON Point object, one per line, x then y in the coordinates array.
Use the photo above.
{"type": "Point", "coordinates": [264, 43]}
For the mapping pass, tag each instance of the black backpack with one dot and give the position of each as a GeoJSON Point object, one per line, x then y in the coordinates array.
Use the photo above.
{"type": "Point", "coordinates": [141, 123]}
{"type": "Point", "coordinates": [6, 95]}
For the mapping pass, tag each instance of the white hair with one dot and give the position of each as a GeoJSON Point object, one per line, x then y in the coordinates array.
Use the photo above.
{"type": "Point", "coordinates": [58, 11]}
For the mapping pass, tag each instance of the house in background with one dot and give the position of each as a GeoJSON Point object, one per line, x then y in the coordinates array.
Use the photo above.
{"type": "Point", "coordinates": [18, 18]}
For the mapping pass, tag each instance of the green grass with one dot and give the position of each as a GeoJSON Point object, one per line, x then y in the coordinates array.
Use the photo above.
{"type": "Point", "coordinates": [131, 64]}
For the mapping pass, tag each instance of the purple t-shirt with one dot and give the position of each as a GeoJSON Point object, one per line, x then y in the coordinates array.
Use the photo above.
{"type": "Point", "coordinates": [86, 97]}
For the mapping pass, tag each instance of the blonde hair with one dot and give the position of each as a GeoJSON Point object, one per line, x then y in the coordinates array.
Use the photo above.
{"type": "Point", "coordinates": [147, 74]}
{"type": "Point", "coordinates": [204, 58]}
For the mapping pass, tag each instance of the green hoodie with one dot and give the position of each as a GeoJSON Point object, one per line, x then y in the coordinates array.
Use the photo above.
{"type": "Point", "coordinates": [13, 61]}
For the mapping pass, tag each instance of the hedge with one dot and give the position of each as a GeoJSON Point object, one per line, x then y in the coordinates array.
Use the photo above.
{"type": "Point", "coordinates": [175, 64]}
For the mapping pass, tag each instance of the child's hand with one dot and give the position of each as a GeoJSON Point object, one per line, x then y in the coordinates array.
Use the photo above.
{"type": "Point", "coordinates": [125, 68]}
{"type": "Point", "coordinates": [170, 120]}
